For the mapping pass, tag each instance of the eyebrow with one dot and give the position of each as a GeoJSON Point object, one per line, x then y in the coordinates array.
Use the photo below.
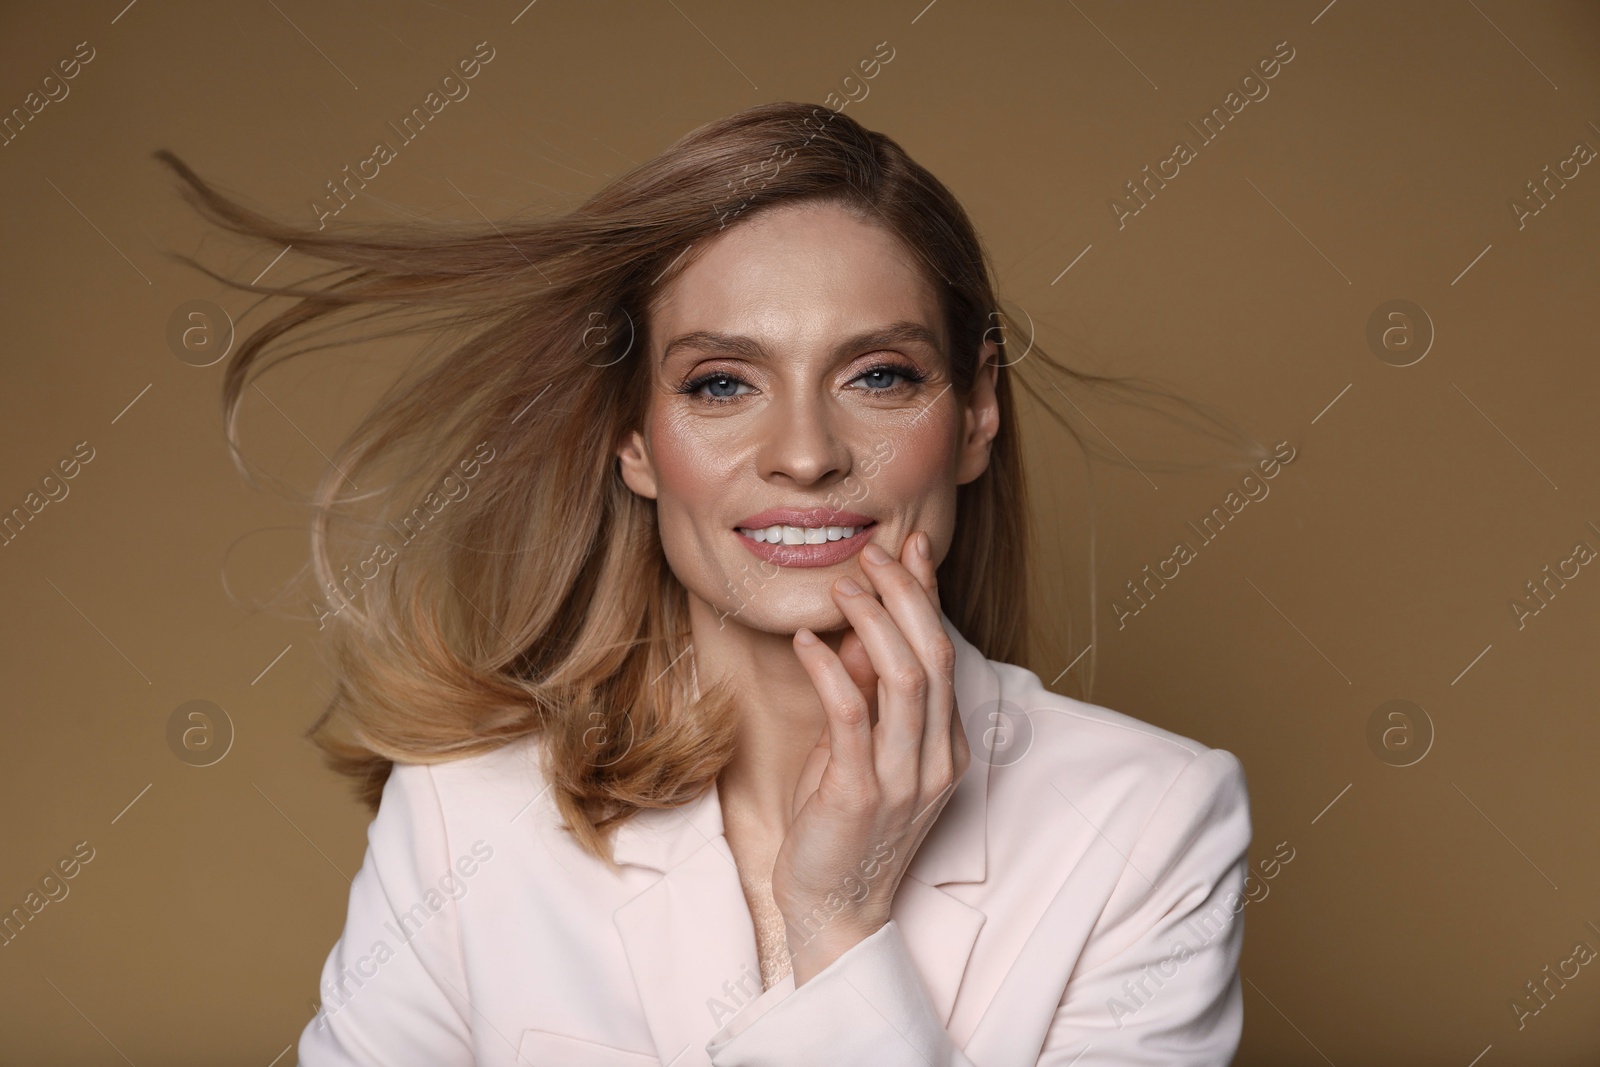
{"type": "Point", "coordinates": [895, 333]}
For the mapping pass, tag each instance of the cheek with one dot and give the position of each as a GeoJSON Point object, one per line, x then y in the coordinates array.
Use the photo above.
{"type": "Point", "coordinates": [912, 463]}
{"type": "Point", "coordinates": [692, 467]}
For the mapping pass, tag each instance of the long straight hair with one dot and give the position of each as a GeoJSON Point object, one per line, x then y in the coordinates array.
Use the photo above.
{"type": "Point", "coordinates": [509, 583]}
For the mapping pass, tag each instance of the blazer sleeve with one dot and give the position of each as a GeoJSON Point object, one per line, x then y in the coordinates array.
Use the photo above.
{"type": "Point", "coordinates": [1157, 983]}
{"type": "Point", "coordinates": [394, 988]}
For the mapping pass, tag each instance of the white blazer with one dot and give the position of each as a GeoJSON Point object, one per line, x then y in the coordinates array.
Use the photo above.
{"type": "Point", "coordinates": [1078, 901]}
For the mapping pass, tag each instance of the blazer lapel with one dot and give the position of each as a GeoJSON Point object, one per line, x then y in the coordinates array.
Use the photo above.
{"type": "Point", "coordinates": [939, 929]}
{"type": "Point", "coordinates": [689, 938]}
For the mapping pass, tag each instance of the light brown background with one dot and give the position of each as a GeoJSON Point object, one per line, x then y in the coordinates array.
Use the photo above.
{"type": "Point", "coordinates": [1420, 899]}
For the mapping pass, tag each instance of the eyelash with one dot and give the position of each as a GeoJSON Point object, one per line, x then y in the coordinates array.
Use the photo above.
{"type": "Point", "coordinates": [912, 375]}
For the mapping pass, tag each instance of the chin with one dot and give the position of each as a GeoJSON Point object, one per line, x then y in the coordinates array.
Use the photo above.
{"type": "Point", "coordinates": [820, 617]}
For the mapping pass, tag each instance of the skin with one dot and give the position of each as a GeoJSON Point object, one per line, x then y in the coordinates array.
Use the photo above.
{"type": "Point", "coordinates": [849, 738]}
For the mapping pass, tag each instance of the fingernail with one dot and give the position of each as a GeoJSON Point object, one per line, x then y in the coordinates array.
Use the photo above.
{"type": "Point", "coordinates": [875, 553]}
{"type": "Point", "coordinates": [848, 587]}
{"type": "Point", "coordinates": [805, 637]}
{"type": "Point", "coordinates": [923, 548]}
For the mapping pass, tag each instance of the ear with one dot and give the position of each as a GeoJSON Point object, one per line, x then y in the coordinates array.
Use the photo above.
{"type": "Point", "coordinates": [637, 468]}
{"type": "Point", "coordinates": [980, 418]}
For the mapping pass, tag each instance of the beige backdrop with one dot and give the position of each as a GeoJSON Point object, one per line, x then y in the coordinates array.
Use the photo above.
{"type": "Point", "coordinates": [1386, 162]}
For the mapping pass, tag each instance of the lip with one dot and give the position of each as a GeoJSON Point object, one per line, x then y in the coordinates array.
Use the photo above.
{"type": "Point", "coordinates": [825, 554]}
{"type": "Point", "coordinates": [817, 516]}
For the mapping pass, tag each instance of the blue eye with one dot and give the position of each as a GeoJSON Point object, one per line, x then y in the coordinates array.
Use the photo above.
{"type": "Point", "coordinates": [724, 386]}
{"type": "Point", "coordinates": [910, 374]}
{"type": "Point", "coordinates": [714, 379]}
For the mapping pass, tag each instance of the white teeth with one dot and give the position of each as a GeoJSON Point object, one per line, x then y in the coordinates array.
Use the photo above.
{"type": "Point", "coordinates": [799, 535]}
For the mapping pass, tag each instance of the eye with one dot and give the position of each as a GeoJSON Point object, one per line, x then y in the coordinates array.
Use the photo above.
{"type": "Point", "coordinates": [881, 374]}
{"type": "Point", "coordinates": [721, 386]}
{"type": "Point", "coordinates": [717, 381]}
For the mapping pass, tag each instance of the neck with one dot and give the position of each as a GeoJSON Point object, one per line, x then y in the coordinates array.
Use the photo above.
{"type": "Point", "coordinates": [781, 717]}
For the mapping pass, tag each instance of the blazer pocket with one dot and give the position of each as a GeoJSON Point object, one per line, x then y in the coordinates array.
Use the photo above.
{"type": "Point", "coordinates": [543, 1048]}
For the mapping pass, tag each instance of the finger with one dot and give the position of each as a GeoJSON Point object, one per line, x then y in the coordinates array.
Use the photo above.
{"type": "Point", "coordinates": [920, 562]}
{"type": "Point", "coordinates": [902, 586]}
{"type": "Point", "coordinates": [917, 557]}
{"type": "Point", "coordinates": [902, 684]}
{"type": "Point", "coordinates": [960, 747]}
{"type": "Point", "coordinates": [811, 773]}
{"type": "Point", "coordinates": [905, 599]}
{"type": "Point", "coordinates": [849, 727]}
{"type": "Point", "coordinates": [922, 565]}
{"type": "Point", "coordinates": [853, 654]}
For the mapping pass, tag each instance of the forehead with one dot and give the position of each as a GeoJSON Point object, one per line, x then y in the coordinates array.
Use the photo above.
{"type": "Point", "coordinates": [797, 274]}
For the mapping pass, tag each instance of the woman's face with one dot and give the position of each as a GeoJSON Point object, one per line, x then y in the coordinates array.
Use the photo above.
{"type": "Point", "coordinates": [801, 389]}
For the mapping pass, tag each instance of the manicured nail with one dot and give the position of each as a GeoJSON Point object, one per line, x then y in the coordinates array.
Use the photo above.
{"type": "Point", "coordinates": [805, 636]}
{"type": "Point", "coordinates": [875, 553]}
{"type": "Point", "coordinates": [923, 548]}
{"type": "Point", "coordinates": [848, 587]}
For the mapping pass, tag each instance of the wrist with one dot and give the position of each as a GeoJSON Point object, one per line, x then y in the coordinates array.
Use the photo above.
{"type": "Point", "coordinates": [813, 952]}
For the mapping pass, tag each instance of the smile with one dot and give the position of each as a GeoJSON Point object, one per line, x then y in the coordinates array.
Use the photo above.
{"type": "Point", "coordinates": [806, 546]}
{"type": "Point", "coordinates": [799, 535]}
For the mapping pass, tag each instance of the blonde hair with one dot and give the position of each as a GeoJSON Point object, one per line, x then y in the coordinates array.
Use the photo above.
{"type": "Point", "coordinates": [532, 594]}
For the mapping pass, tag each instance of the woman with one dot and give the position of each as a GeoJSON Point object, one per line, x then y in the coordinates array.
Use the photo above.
{"type": "Point", "coordinates": [686, 700]}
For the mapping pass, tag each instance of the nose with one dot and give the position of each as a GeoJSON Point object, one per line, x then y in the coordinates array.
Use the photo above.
{"type": "Point", "coordinates": [801, 443]}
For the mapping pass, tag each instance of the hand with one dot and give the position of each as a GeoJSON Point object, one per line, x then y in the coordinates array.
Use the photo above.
{"type": "Point", "coordinates": [891, 755]}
